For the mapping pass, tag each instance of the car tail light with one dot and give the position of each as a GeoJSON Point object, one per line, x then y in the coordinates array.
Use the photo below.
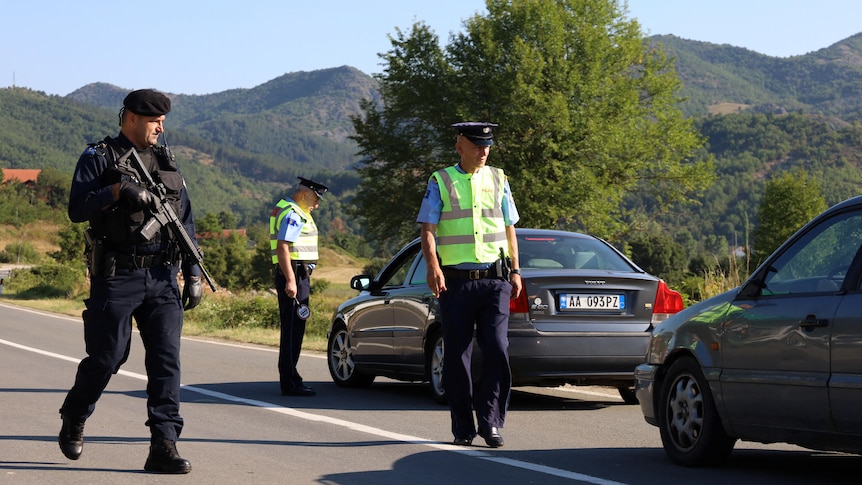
{"type": "Point", "coordinates": [520, 304]}
{"type": "Point", "coordinates": [667, 302]}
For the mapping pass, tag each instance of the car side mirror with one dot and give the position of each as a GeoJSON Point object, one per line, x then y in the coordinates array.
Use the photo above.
{"type": "Point", "coordinates": [360, 282]}
{"type": "Point", "coordinates": [751, 289]}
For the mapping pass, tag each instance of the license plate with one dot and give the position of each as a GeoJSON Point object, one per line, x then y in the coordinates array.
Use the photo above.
{"type": "Point", "coordinates": [581, 301]}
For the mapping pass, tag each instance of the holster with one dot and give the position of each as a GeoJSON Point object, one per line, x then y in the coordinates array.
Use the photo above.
{"type": "Point", "coordinates": [98, 262]}
{"type": "Point", "coordinates": [503, 266]}
{"type": "Point", "coordinates": [500, 270]}
{"type": "Point", "coordinates": [302, 269]}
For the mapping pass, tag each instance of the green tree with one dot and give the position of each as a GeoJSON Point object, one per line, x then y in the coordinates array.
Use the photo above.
{"type": "Point", "coordinates": [660, 255]}
{"type": "Point", "coordinates": [261, 268]}
{"type": "Point", "coordinates": [587, 111]}
{"type": "Point", "coordinates": [790, 199]}
{"type": "Point", "coordinates": [209, 225]}
{"type": "Point", "coordinates": [72, 244]}
{"type": "Point", "coordinates": [228, 259]}
{"type": "Point", "coordinates": [53, 187]}
{"type": "Point", "coordinates": [228, 220]}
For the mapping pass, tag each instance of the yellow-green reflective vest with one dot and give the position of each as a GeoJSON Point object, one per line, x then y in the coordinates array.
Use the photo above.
{"type": "Point", "coordinates": [305, 246]}
{"type": "Point", "coordinates": [471, 227]}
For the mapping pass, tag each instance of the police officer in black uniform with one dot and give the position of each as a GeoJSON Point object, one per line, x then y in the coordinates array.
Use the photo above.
{"type": "Point", "coordinates": [131, 276]}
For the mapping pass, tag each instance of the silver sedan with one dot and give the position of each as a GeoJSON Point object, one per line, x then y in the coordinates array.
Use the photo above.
{"type": "Point", "coordinates": [775, 360]}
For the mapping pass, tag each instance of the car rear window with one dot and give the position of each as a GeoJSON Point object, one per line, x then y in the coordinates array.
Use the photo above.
{"type": "Point", "coordinates": [563, 252]}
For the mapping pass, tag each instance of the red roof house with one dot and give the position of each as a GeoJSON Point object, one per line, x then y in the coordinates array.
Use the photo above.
{"type": "Point", "coordinates": [22, 175]}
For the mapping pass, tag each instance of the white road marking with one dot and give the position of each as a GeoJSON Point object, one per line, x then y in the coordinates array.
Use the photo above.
{"type": "Point", "coordinates": [479, 454]}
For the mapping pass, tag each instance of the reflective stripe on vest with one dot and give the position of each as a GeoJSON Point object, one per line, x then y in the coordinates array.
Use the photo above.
{"type": "Point", "coordinates": [305, 247]}
{"type": "Point", "coordinates": [471, 227]}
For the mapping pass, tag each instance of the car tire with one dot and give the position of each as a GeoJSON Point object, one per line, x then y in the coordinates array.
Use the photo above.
{"type": "Point", "coordinates": [434, 366]}
{"type": "Point", "coordinates": [690, 427]}
{"type": "Point", "coordinates": [342, 368]}
{"type": "Point", "coordinates": [628, 394]}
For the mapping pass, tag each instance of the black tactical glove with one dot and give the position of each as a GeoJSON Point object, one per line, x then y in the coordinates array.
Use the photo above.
{"type": "Point", "coordinates": [138, 197]}
{"type": "Point", "coordinates": [192, 292]}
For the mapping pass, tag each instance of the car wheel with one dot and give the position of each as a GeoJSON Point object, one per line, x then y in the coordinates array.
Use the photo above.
{"type": "Point", "coordinates": [434, 366]}
{"type": "Point", "coordinates": [340, 361]}
{"type": "Point", "coordinates": [691, 430]}
{"type": "Point", "coordinates": [628, 394]}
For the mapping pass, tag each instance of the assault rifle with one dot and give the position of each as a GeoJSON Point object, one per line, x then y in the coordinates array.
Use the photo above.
{"type": "Point", "coordinates": [164, 215]}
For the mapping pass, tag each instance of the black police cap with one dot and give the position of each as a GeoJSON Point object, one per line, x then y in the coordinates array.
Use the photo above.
{"type": "Point", "coordinates": [147, 102]}
{"type": "Point", "coordinates": [316, 187]}
{"type": "Point", "coordinates": [478, 132]}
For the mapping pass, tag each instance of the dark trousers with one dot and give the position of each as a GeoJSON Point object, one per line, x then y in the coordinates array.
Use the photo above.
{"type": "Point", "coordinates": [293, 312]}
{"type": "Point", "coordinates": [480, 305]}
{"type": "Point", "coordinates": [150, 295]}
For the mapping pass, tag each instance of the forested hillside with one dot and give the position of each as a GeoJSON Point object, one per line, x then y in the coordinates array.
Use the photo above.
{"type": "Point", "coordinates": [296, 120]}
{"type": "Point", "coordinates": [749, 148]}
{"type": "Point", "coordinates": [242, 149]}
{"type": "Point", "coordinates": [723, 78]}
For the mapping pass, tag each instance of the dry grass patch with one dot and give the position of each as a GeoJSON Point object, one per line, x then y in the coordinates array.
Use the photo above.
{"type": "Point", "coordinates": [727, 108]}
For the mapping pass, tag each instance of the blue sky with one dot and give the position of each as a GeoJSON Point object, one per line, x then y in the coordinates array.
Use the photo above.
{"type": "Point", "coordinates": [207, 46]}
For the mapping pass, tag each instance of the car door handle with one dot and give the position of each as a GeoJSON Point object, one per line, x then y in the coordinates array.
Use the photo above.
{"type": "Point", "coordinates": [813, 321]}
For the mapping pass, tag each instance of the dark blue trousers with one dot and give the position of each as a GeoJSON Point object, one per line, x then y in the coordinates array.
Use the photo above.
{"type": "Point", "coordinates": [150, 295]}
{"type": "Point", "coordinates": [481, 306]}
{"type": "Point", "coordinates": [293, 313]}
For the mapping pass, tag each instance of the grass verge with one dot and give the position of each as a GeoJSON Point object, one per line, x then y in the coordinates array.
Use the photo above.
{"type": "Point", "coordinates": [246, 317]}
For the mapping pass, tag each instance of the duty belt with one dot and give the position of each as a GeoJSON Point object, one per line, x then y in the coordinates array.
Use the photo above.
{"type": "Point", "coordinates": [300, 268]}
{"type": "Point", "coordinates": [471, 274]}
{"type": "Point", "coordinates": [140, 260]}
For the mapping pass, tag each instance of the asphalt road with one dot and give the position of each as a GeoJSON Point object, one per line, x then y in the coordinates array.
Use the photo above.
{"type": "Point", "coordinates": [239, 429]}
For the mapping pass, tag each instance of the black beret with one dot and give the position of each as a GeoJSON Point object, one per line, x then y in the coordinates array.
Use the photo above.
{"type": "Point", "coordinates": [317, 188]}
{"type": "Point", "coordinates": [147, 102]}
{"type": "Point", "coordinates": [478, 132]}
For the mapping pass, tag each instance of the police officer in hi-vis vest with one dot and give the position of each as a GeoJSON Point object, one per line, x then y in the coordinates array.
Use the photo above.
{"type": "Point", "coordinates": [293, 244]}
{"type": "Point", "coordinates": [468, 221]}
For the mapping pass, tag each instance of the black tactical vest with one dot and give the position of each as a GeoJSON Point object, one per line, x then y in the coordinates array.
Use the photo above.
{"type": "Point", "coordinates": [119, 224]}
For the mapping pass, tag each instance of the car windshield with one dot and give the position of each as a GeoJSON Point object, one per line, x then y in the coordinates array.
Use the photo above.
{"type": "Point", "coordinates": [566, 252]}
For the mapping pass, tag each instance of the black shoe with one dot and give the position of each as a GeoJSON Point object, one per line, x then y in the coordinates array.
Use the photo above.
{"type": "Point", "coordinates": [164, 458]}
{"type": "Point", "coordinates": [492, 437]}
{"type": "Point", "coordinates": [71, 437]}
{"type": "Point", "coordinates": [463, 441]}
{"type": "Point", "coordinates": [297, 391]}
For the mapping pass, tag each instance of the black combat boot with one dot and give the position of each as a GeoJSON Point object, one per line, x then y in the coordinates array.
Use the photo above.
{"type": "Point", "coordinates": [71, 437]}
{"type": "Point", "coordinates": [164, 458]}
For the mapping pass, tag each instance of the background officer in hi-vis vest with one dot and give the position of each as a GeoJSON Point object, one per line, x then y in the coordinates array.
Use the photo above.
{"type": "Point", "coordinates": [474, 275]}
{"type": "Point", "coordinates": [293, 243]}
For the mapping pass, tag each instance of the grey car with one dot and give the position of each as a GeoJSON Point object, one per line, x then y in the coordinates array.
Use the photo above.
{"type": "Point", "coordinates": [778, 359]}
{"type": "Point", "coordinates": [584, 317]}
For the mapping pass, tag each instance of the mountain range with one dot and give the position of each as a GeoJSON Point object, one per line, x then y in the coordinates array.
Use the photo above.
{"type": "Point", "coordinates": [277, 118]}
{"type": "Point", "coordinates": [722, 79]}
{"type": "Point", "coordinates": [245, 147]}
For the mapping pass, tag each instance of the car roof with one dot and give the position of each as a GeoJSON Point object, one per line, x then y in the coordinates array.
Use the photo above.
{"type": "Point", "coordinates": [857, 200]}
{"type": "Point", "coordinates": [550, 232]}
{"type": "Point", "coordinates": [525, 231]}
